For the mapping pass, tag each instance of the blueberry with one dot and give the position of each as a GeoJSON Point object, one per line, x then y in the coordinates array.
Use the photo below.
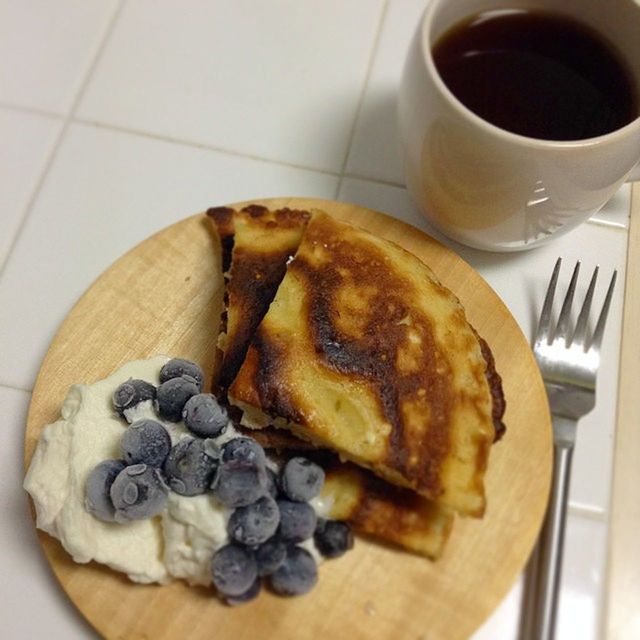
{"type": "Point", "coordinates": [255, 523]}
{"type": "Point", "coordinates": [131, 393]}
{"type": "Point", "coordinates": [173, 394]}
{"type": "Point", "coordinates": [272, 487]}
{"type": "Point", "coordinates": [270, 555]}
{"type": "Point", "coordinates": [178, 367]}
{"type": "Point", "coordinates": [137, 493]}
{"type": "Point", "coordinates": [333, 538]}
{"type": "Point", "coordinates": [301, 479]}
{"type": "Point", "coordinates": [191, 466]}
{"type": "Point", "coordinates": [240, 483]}
{"type": "Point", "coordinates": [246, 449]}
{"type": "Point", "coordinates": [250, 594]}
{"type": "Point", "coordinates": [233, 570]}
{"type": "Point", "coordinates": [297, 520]}
{"type": "Point", "coordinates": [146, 442]}
{"type": "Point", "coordinates": [298, 574]}
{"type": "Point", "coordinates": [97, 499]}
{"type": "Point", "coordinates": [204, 417]}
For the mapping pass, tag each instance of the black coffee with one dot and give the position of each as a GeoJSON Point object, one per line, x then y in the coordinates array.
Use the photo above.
{"type": "Point", "coordinates": [538, 74]}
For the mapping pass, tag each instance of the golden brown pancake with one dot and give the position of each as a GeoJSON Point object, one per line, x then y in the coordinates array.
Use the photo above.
{"type": "Point", "coordinates": [364, 352]}
{"type": "Point", "coordinates": [371, 506]}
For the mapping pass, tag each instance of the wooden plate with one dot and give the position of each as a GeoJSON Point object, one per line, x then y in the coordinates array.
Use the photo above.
{"type": "Point", "coordinates": [164, 297]}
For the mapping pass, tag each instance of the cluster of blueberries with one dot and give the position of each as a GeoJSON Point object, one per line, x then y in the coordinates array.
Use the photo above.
{"type": "Point", "coordinates": [271, 511]}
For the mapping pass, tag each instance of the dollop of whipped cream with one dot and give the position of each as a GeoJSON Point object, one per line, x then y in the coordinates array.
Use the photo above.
{"type": "Point", "coordinates": [179, 543]}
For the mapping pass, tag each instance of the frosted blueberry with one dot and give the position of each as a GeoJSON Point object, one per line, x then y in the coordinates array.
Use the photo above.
{"type": "Point", "coordinates": [250, 594]}
{"type": "Point", "coordinates": [245, 449]}
{"type": "Point", "coordinates": [240, 483]}
{"type": "Point", "coordinates": [173, 394]}
{"type": "Point", "coordinates": [297, 520]}
{"type": "Point", "coordinates": [301, 479]}
{"type": "Point", "coordinates": [146, 442]}
{"type": "Point", "coordinates": [333, 538]}
{"type": "Point", "coordinates": [204, 417]}
{"type": "Point", "coordinates": [97, 498]}
{"type": "Point", "coordinates": [131, 393]}
{"type": "Point", "coordinates": [137, 493]}
{"type": "Point", "coordinates": [191, 466]}
{"type": "Point", "coordinates": [298, 574]}
{"type": "Point", "coordinates": [255, 523]}
{"type": "Point", "coordinates": [270, 555]}
{"type": "Point", "coordinates": [177, 367]}
{"type": "Point", "coordinates": [233, 570]}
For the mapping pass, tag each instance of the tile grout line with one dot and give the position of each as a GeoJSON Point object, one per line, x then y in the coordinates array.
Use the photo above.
{"type": "Point", "coordinates": [198, 145]}
{"type": "Point", "coordinates": [56, 145]}
{"type": "Point", "coordinates": [9, 106]}
{"type": "Point", "coordinates": [363, 92]}
{"type": "Point", "coordinates": [94, 61]}
{"type": "Point", "coordinates": [106, 36]}
{"type": "Point", "coordinates": [11, 387]}
{"type": "Point", "coordinates": [382, 181]}
{"type": "Point", "coordinates": [32, 198]}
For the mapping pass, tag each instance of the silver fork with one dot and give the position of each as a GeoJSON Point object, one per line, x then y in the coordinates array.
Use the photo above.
{"type": "Point", "coordinates": [569, 362]}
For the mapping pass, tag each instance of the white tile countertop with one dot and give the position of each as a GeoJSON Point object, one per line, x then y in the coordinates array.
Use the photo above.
{"type": "Point", "coordinates": [120, 117]}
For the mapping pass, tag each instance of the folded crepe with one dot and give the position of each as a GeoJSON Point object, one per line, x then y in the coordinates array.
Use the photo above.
{"type": "Point", "coordinates": [256, 244]}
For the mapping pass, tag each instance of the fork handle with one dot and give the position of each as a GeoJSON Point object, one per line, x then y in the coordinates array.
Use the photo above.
{"type": "Point", "coordinates": [551, 542]}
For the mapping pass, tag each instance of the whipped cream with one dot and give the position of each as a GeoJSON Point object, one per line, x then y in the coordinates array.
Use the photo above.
{"type": "Point", "coordinates": [178, 543]}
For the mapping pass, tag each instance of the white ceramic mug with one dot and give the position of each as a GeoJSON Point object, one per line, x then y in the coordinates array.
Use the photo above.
{"type": "Point", "coordinates": [493, 189]}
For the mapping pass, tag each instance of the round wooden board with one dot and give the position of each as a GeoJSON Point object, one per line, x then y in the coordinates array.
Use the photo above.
{"type": "Point", "coordinates": [164, 297]}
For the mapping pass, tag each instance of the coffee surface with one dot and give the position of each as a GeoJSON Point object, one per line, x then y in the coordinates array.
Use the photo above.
{"type": "Point", "coordinates": [538, 74]}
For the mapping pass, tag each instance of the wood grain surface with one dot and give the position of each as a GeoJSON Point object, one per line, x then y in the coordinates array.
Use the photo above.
{"type": "Point", "coordinates": [164, 297]}
{"type": "Point", "coordinates": [623, 584]}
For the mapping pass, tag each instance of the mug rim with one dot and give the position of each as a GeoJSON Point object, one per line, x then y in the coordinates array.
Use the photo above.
{"type": "Point", "coordinates": [464, 111]}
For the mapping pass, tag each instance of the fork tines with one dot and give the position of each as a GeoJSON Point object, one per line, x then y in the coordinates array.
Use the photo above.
{"type": "Point", "coordinates": [562, 331]}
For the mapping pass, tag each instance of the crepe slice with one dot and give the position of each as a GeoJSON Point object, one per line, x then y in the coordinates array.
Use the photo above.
{"type": "Point", "coordinates": [365, 353]}
{"type": "Point", "coordinates": [383, 511]}
{"type": "Point", "coordinates": [260, 241]}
